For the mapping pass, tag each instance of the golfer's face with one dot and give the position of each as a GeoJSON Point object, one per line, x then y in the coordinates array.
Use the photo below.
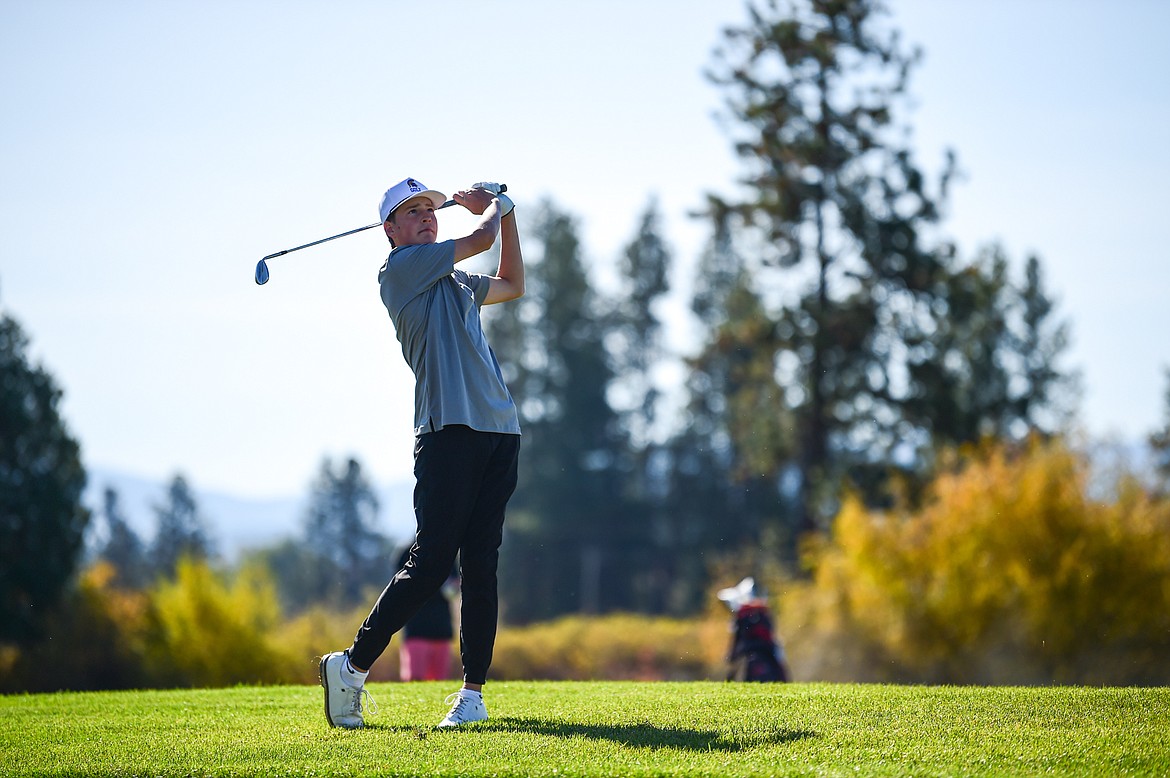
{"type": "Point", "coordinates": [413, 223]}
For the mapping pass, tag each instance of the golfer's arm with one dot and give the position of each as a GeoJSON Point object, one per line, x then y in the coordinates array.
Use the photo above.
{"type": "Point", "coordinates": [482, 237]}
{"type": "Point", "coordinates": [508, 282]}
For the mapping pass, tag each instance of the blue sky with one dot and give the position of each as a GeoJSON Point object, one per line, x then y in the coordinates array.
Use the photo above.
{"type": "Point", "coordinates": [151, 152]}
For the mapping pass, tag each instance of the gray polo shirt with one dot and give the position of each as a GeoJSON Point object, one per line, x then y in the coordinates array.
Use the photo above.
{"type": "Point", "coordinates": [435, 310]}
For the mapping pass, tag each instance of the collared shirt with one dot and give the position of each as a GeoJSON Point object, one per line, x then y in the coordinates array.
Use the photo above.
{"type": "Point", "coordinates": [435, 310]}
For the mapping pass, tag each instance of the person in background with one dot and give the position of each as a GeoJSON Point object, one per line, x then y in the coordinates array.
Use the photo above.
{"type": "Point", "coordinates": [425, 653]}
{"type": "Point", "coordinates": [756, 653]}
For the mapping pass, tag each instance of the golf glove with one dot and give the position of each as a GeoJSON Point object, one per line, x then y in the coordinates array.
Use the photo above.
{"type": "Point", "coordinates": [506, 204]}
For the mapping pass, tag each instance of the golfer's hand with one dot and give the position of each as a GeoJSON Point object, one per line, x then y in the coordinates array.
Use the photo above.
{"type": "Point", "coordinates": [474, 200]}
{"type": "Point", "coordinates": [506, 205]}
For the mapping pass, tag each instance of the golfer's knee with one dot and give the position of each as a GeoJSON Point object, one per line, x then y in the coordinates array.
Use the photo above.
{"type": "Point", "coordinates": [429, 568]}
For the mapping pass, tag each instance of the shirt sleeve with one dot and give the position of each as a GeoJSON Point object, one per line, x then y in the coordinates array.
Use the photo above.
{"type": "Point", "coordinates": [480, 285]}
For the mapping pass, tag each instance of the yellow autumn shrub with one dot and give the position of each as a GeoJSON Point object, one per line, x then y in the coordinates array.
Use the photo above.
{"type": "Point", "coordinates": [95, 640]}
{"type": "Point", "coordinates": [618, 646]}
{"type": "Point", "coordinates": [1011, 573]}
{"type": "Point", "coordinates": [209, 632]}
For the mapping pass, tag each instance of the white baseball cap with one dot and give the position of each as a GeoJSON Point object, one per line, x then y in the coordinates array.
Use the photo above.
{"type": "Point", "coordinates": [738, 596]}
{"type": "Point", "coordinates": [405, 190]}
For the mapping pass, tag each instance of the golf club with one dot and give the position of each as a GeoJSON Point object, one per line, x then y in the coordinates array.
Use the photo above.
{"type": "Point", "coordinates": [262, 265]}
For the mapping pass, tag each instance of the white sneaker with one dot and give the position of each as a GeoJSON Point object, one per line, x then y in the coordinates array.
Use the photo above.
{"type": "Point", "coordinates": [343, 703]}
{"type": "Point", "coordinates": [466, 706]}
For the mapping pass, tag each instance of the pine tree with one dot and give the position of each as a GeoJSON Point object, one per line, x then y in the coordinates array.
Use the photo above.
{"type": "Point", "coordinates": [569, 530]}
{"type": "Point", "coordinates": [636, 331]}
{"type": "Point", "coordinates": [181, 530]}
{"type": "Point", "coordinates": [1159, 442]}
{"type": "Point", "coordinates": [835, 217]}
{"type": "Point", "coordinates": [989, 368]}
{"type": "Point", "coordinates": [341, 534]}
{"type": "Point", "coordinates": [1046, 396]}
{"type": "Point", "coordinates": [122, 547]}
{"type": "Point", "coordinates": [42, 519]}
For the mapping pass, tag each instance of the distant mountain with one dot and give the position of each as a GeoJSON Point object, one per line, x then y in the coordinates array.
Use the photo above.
{"type": "Point", "coordinates": [236, 523]}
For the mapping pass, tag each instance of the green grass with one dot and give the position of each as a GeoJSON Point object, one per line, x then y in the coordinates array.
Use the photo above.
{"type": "Point", "coordinates": [598, 729]}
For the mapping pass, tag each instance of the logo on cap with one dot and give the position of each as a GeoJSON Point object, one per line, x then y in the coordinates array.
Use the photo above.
{"type": "Point", "coordinates": [413, 185]}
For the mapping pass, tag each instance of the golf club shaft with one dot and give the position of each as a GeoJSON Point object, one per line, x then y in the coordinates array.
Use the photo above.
{"type": "Point", "coordinates": [261, 275]}
{"type": "Point", "coordinates": [339, 235]}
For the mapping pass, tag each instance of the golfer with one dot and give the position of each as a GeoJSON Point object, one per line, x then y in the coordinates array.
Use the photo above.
{"type": "Point", "coordinates": [467, 437]}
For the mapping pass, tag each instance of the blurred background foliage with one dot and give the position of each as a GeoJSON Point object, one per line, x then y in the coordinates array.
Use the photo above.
{"type": "Point", "coordinates": [880, 429]}
{"type": "Point", "coordinates": [1009, 572]}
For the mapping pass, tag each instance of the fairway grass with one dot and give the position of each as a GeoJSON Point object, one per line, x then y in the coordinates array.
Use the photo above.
{"type": "Point", "coordinates": [598, 729]}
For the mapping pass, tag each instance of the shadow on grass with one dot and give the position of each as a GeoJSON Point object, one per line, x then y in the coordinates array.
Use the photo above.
{"type": "Point", "coordinates": [641, 735]}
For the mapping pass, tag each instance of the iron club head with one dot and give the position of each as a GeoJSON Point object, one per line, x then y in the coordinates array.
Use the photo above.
{"type": "Point", "coordinates": [261, 272]}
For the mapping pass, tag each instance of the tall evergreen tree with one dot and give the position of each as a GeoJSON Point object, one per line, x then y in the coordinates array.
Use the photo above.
{"type": "Point", "coordinates": [181, 530]}
{"type": "Point", "coordinates": [636, 333]}
{"type": "Point", "coordinates": [836, 203]}
{"type": "Point", "coordinates": [727, 463]}
{"type": "Point", "coordinates": [1045, 396]}
{"type": "Point", "coordinates": [637, 353]}
{"type": "Point", "coordinates": [990, 365]}
{"type": "Point", "coordinates": [1159, 443]}
{"type": "Point", "coordinates": [960, 393]}
{"type": "Point", "coordinates": [342, 536]}
{"type": "Point", "coordinates": [715, 480]}
{"type": "Point", "coordinates": [122, 547]}
{"type": "Point", "coordinates": [42, 519]}
{"type": "Point", "coordinates": [569, 537]}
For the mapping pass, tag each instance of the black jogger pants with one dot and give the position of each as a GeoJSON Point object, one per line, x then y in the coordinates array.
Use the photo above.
{"type": "Point", "coordinates": [463, 480]}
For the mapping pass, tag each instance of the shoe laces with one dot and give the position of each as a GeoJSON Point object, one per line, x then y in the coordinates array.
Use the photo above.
{"type": "Point", "coordinates": [371, 707]}
{"type": "Point", "coordinates": [456, 700]}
